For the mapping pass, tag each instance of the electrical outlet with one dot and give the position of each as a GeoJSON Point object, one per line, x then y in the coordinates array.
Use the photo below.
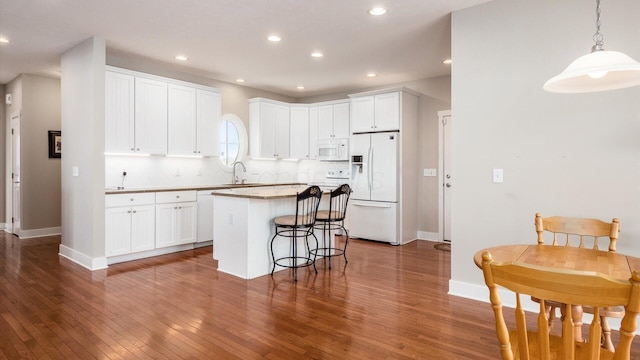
{"type": "Point", "coordinates": [498, 175]}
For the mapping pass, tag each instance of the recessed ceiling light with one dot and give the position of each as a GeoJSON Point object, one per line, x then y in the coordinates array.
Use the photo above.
{"type": "Point", "coordinates": [371, 74]}
{"type": "Point", "coordinates": [181, 58]}
{"type": "Point", "coordinates": [239, 80]}
{"type": "Point", "coordinates": [274, 38]}
{"type": "Point", "coordinates": [317, 54]}
{"type": "Point", "coordinates": [300, 87]}
{"type": "Point", "coordinates": [377, 11]}
{"type": "Point", "coordinates": [447, 61]}
{"type": "Point", "coordinates": [4, 40]}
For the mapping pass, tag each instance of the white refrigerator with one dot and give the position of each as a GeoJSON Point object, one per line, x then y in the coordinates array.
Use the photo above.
{"type": "Point", "coordinates": [374, 180]}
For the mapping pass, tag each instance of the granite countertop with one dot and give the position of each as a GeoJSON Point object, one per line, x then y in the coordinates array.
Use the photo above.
{"type": "Point", "coordinates": [111, 191]}
{"type": "Point", "coordinates": [261, 193]}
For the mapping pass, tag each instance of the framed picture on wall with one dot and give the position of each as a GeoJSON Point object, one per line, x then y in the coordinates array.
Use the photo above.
{"type": "Point", "coordinates": [55, 144]}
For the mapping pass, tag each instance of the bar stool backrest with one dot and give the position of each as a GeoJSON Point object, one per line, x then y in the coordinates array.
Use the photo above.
{"type": "Point", "coordinates": [307, 206]}
{"type": "Point", "coordinates": [338, 202]}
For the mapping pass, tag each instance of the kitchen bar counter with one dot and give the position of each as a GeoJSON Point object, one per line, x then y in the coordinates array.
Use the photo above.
{"type": "Point", "coordinates": [243, 227]}
{"type": "Point", "coordinates": [263, 193]}
{"type": "Point", "coordinates": [110, 191]}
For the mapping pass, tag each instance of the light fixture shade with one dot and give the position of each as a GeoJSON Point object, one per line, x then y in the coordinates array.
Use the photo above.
{"type": "Point", "coordinates": [597, 71]}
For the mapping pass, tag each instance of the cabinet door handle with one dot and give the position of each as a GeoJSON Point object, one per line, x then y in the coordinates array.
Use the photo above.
{"type": "Point", "coordinates": [129, 212]}
{"type": "Point", "coordinates": [175, 207]}
{"type": "Point", "coordinates": [134, 211]}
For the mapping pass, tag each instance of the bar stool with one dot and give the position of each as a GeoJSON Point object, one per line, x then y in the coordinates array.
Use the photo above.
{"type": "Point", "coordinates": [298, 226]}
{"type": "Point", "coordinates": [333, 219]}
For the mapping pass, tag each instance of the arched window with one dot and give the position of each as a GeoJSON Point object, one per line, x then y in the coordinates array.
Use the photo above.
{"type": "Point", "coordinates": [233, 139]}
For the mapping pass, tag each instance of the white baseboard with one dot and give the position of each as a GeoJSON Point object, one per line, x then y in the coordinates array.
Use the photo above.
{"type": "Point", "coordinates": [425, 235]}
{"type": "Point", "coordinates": [149, 253]}
{"type": "Point", "coordinates": [35, 233]}
{"type": "Point", "coordinates": [3, 226]}
{"type": "Point", "coordinates": [82, 259]}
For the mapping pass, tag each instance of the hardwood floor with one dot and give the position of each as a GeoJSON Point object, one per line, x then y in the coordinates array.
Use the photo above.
{"type": "Point", "coordinates": [386, 303]}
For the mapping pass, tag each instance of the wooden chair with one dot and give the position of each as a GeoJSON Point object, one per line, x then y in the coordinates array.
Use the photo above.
{"type": "Point", "coordinates": [568, 287]}
{"type": "Point", "coordinates": [333, 219]}
{"type": "Point", "coordinates": [298, 226]}
{"type": "Point", "coordinates": [580, 231]}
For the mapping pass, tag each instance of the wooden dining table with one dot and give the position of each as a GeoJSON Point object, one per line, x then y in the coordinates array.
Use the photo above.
{"type": "Point", "coordinates": [616, 265]}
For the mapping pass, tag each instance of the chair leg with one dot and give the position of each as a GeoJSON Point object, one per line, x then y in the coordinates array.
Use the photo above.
{"type": "Point", "coordinates": [314, 257]}
{"type": "Point", "coordinates": [326, 236]}
{"type": "Point", "coordinates": [606, 333]}
{"type": "Point", "coordinates": [346, 242]}
{"type": "Point", "coordinates": [273, 257]}
{"type": "Point", "coordinates": [295, 255]}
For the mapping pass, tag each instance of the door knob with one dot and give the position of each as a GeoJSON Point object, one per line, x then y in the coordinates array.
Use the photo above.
{"type": "Point", "coordinates": [447, 185]}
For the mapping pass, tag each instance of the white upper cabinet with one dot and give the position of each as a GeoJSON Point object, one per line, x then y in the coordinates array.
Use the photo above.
{"type": "Point", "coordinates": [376, 112]}
{"type": "Point", "coordinates": [208, 112]}
{"type": "Point", "coordinates": [313, 132]}
{"type": "Point", "coordinates": [182, 120]}
{"type": "Point", "coordinates": [119, 113]}
{"type": "Point", "coordinates": [333, 121]}
{"type": "Point", "coordinates": [269, 129]}
{"type": "Point", "coordinates": [193, 121]}
{"type": "Point", "coordinates": [300, 133]}
{"type": "Point", "coordinates": [150, 116]}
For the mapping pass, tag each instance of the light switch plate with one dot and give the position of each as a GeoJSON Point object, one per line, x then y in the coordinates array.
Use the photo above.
{"type": "Point", "coordinates": [498, 175]}
{"type": "Point", "coordinates": [430, 172]}
{"type": "Point", "coordinates": [75, 171]}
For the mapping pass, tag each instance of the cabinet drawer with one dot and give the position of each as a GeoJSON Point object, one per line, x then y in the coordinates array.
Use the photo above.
{"type": "Point", "coordinates": [175, 196]}
{"type": "Point", "coordinates": [116, 200]}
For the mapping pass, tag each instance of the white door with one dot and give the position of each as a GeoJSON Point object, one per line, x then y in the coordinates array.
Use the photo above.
{"type": "Point", "coordinates": [166, 222]}
{"type": "Point", "coordinates": [186, 226]}
{"type": "Point", "coordinates": [15, 173]}
{"type": "Point", "coordinates": [117, 231]}
{"type": "Point", "coordinates": [119, 113]}
{"type": "Point", "coordinates": [362, 114]}
{"type": "Point", "coordinates": [341, 121]}
{"type": "Point", "coordinates": [299, 133]}
{"type": "Point", "coordinates": [447, 178]}
{"type": "Point", "coordinates": [182, 120]}
{"type": "Point", "coordinates": [208, 120]}
{"type": "Point", "coordinates": [143, 228]}
{"type": "Point", "coordinates": [282, 135]}
{"type": "Point", "coordinates": [384, 166]}
{"type": "Point", "coordinates": [325, 122]}
{"type": "Point", "coordinates": [360, 146]}
{"type": "Point", "coordinates": [267, 130]}
{"type": "Point", "coordinates": [151, 116]}
{"type": "Point", "coordinates": [387, 113]}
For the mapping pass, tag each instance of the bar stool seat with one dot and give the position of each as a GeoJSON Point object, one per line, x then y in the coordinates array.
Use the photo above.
{"type": "Point", "coordinates": [333, 220]}
{"type": "Point", "coordinates": [298, 226]}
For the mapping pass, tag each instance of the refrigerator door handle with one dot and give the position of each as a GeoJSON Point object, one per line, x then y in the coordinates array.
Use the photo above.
{"type": "Point", "coordinates": [372, 205]}
{"type": "Point", "coordinates": [369, 170]}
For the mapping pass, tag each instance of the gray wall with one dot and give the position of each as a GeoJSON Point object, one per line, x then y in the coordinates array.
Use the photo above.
{"type": "Point", "coordinates": [562, 154]}
{"type": "Point", "coordinates": [40, 176]}
{"type": "Point", "coordinates": [37, 98]}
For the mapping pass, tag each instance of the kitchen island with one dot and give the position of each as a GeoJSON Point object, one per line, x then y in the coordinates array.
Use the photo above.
{"type": "Point", "coordinates": [243, 227]}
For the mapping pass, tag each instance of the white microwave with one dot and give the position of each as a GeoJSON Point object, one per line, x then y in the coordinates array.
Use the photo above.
{"type": "Point", "coordinates": [333, 150]}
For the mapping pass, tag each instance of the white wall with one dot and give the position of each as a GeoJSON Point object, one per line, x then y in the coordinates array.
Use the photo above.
{"type": "Point", "coordinates": [83, 84]}
{"type": "Point", "coordinates": [562, 154]}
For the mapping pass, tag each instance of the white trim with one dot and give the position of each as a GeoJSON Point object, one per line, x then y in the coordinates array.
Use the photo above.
{"type": "Point", "coordinates": [35, 233]}
{"type": "Point", "coordinates": [3, 226]}
{"type": "Point", "coordinates": [150, 253]}
{"type": "Point", "coordinates": [160, 78]}
{"type": "Point", "coordinates": [429, 236]}
{"type": "Point", "coordinates": [82, 259]}
{"type": "Point", "coordinates": [384, 91]}
{"type": "Point", "coordinates": [441, 114]}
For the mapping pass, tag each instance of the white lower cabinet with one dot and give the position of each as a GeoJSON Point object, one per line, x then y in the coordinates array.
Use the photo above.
{"type": "Point", "coordinates": [129, 223]}
{"type": "Point", "coordinates": [176, 215]}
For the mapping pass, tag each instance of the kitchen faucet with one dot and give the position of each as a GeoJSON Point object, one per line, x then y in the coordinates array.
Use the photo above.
{"type": "Point", "coordinates": [235, 177]}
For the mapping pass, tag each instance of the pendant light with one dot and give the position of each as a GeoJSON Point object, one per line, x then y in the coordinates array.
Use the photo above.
{"type": "Point", "coordinates": [599, 70]}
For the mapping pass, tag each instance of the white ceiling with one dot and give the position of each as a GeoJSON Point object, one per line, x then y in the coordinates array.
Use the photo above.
{"type": "Point", "coordinates": [226, 39]}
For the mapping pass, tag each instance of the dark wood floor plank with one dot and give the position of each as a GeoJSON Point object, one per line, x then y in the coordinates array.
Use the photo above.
{"type": "Point", "coordinates": [386, 303]}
